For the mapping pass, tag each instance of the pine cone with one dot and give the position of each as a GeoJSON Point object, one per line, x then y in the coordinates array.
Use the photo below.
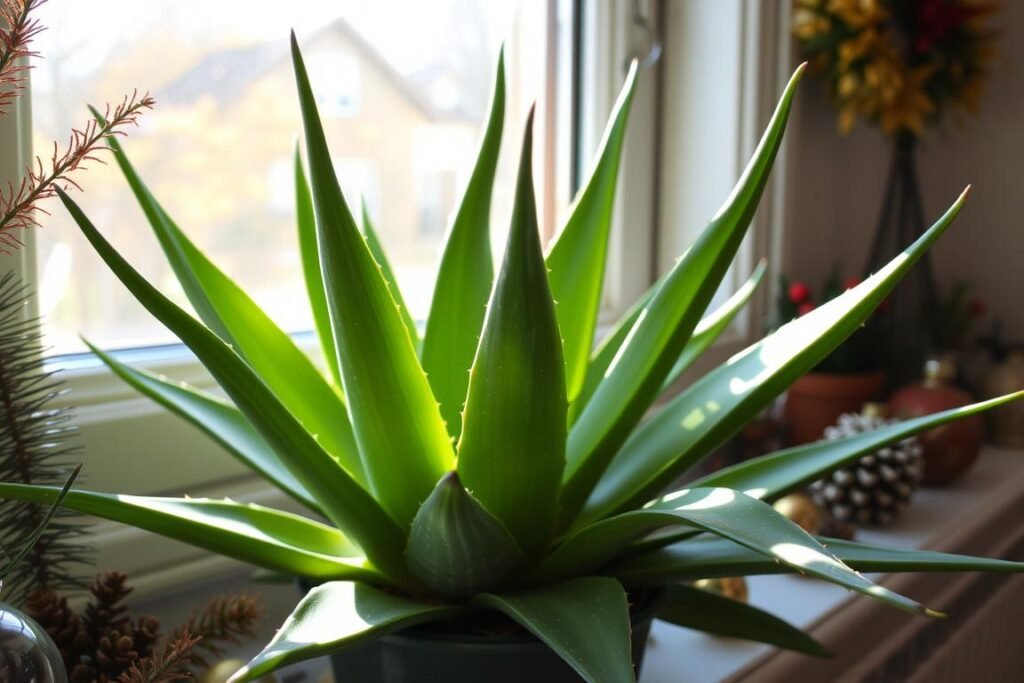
{"type": "Point", "coordinates": [874, 489]}
{"type": "Point", "coordinates": [105, 611]}
{"type": "Point", "coordinates": [115, 654]}
{"type": "Point", "coordinates": [146, 635]}
{"type": "Point", "coordinates": [51, 612]}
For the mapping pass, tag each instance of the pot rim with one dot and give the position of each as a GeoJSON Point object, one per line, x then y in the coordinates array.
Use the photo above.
{"type": "Point", "coordinates": [422, 636]}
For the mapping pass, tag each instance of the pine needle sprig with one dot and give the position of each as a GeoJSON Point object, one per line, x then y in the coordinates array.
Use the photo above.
{"type": "Point", "coordinates": [35, 448]}
{"type": "Point", "coordinates": [170, 662]}
{"type": "Point", "coordinates": [225, 619]}
{"type": "Point", "coordinates": [14, 46]}
{"type": "Point", "coordinates": [19, 201]}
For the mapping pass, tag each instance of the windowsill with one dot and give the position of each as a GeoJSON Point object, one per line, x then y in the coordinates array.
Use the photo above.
{"type": "Point", "coordinates": [970, 517]}
{"type": "Point", "coordinates": [938, 519]}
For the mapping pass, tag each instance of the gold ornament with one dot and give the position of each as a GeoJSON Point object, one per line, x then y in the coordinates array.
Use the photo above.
{"type": "Point", "coordinates": [800, 509]}
{"type": "Point", "coordinates": [732, 587]}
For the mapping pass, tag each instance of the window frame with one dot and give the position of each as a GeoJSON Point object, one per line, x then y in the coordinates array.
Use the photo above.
{"type": "Point", "coordinates": [113, 419]}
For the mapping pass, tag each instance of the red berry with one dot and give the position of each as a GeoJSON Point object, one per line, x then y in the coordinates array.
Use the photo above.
{"type": "Point", "coordinates": [799, 292]}
{"type": "Point", "coordinates": [976, 307]}
{"type": "Point", "coordinates": [851, 282]}
{"type": "Point", "coordinates": [805, 308]}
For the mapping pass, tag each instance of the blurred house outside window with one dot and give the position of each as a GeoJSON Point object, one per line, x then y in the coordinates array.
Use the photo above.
{"type": "Point", "coordinates": [402, 87]}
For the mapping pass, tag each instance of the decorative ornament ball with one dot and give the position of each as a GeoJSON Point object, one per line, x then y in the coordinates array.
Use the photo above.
{"type": "Point", "coordinates": [949, 450]}
{"type": "Point", "coordinates": [222, 671]}
{"type": "Point", "coordinates": [27, 653]}
{"type": "Point", "coordinates": [873, 490]}
{"type": "Point", "coordinates": [801, 509]}
{"type": "Point", "coordinates": [732, 587]}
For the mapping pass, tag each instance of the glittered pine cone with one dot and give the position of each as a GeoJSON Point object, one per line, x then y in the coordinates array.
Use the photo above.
{"type": "Point", "coordinates": [873, 490]}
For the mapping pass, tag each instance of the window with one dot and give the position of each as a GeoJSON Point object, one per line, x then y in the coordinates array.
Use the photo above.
{"type": "Point", "coordinates": [402, 88]}
{"type": "Point", "coordinates": [402, 93]}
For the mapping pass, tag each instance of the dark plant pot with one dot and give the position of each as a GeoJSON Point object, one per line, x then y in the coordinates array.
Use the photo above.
{"type": "Point", "coordinates": [425, 655]}
{"type": "Point", "coordinates": [816, 401]}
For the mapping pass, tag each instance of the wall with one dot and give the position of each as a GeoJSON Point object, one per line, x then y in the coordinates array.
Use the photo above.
{"type": "Point", "coordinates": [836, 186]}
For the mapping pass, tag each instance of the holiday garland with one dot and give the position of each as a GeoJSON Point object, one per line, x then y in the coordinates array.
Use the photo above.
{"type": "Point", "coordinates": [898, 64]}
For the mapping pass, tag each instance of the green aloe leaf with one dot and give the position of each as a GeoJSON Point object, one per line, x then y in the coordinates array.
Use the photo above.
{"type": "Point", "coordinates": [336, 615]}
{"type": "Point", "coordinates": [236, 318]}
{"type": "Point", "coordinates": [723, 512]}
{"type": "Point", "coordinates": [705, 557]}
{"type": "Point", "coordinates": [465, 275]}
{"type": "Point", "coordinates": [512, 449]}
{"type": "Point", "coordinates": [381, 257]}
{"type": "Point", "coordinates": [774, 475]}
{"type": "Point", "coordinates": [607, 350]}
{"type": "Point", "coordinates": [714, 408]}
{"type": "Point", "coordinates": [707, 331]}
{"type": "Point", "coordinates": [402, 438]}
{"type": "Point", "coordinates": [577, 258]}
{"type": "Point", "coordinates": [456, 547]}
{"type": "Point", "coordinates": [20, 553]}
{"type": "Point", "coordinates": [341, 498]}
{"type": "Point", "coordinates": [218, 419]}
{"type": "Point", "coordinates": [305, 221]}
{"type": "Point", "coordinates": [664, 327]}
{"type": "Point", "coordinates": [585, 621]}
{"type": "Point", "coordinates": [252, 533]}
{"type": "Point", "coordinates": [711, 326]}
{"type": "Point", "coordinates": [700, 610]}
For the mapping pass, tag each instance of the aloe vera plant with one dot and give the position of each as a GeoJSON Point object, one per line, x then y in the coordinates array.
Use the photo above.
{"type": "Point", "coordinates": [500, 462]}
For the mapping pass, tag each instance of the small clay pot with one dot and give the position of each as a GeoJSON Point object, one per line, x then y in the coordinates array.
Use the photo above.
{"type": "Point", "coordinates": [816, 401]}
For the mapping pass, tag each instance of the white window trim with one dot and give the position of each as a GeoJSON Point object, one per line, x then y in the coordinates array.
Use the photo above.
{"type": "Point", "coordinates": [760, 70]}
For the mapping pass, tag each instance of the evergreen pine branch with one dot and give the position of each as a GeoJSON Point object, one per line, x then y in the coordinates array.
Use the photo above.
{"type": "Point", "coordinates": [19, 202]}
{"type": "Point", "coordinates": [225, 619]}
{"type": "Point", "coordinates": [19, 30]}
{"type": "Point", "coordinates": [169, 663]}
{"type": "Point", "coordinates": [35, 448]}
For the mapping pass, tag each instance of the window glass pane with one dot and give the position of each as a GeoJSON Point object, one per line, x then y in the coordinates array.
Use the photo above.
{"type": "Point", "coordinates": [402, 87]}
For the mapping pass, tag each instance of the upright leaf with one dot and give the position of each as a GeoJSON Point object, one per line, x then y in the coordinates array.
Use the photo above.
{"type": "Point", "coordinates": [710, 411]}
{"type": "Point", "coordinates": [704, 557]}
{"type": "Point", "coordinates": [381, 257]}
{"type": "Point", "coordinates": [336, 615]}
{"type": "Point", "coordinates": [456, 547]}
{"type": "Point", "coordinates": [577, 258]}
{"type": "Point", "coordinates": [465, 275]}
{"type": "Point", "coordinates": [606, 351]}
{"type": "Point", "coordinates": [401, 436]}
{"type": "Point", "coordinates": [711, 326]}
{"type": "Point", "coordinates": [305, 221]}
{"type": "Point", "coordinates": [703, 611]}
{"type": "Point", "coordinates": [252, 533]}
{"type": "Point", "coordinates": [218, 419]}
{"type": "Point", "coordinates": [665, 326]}
{"type": "Point", "coordinates": [707, 331]}
{"type": "Point", "coordinates": [585, 621]}
{"type": "Point", "coordinates": [236, 318]}
{"type": "Point", "coordinates": [340, 497]}
{"type": "Point", "coordinates": [512, 449]}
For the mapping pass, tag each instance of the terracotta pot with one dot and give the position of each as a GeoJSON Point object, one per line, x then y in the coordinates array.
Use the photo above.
{"type": "Point", "coordinates": [949, 450]}
{"type": "Point", "coordinates": [817, 399]}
